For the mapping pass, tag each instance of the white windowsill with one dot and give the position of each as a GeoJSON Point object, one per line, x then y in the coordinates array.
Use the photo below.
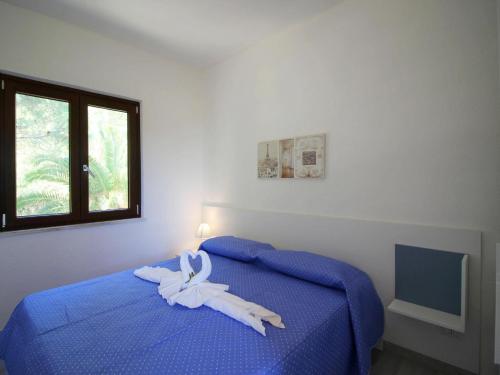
{"type": "Point", "coordinates": [72, 226]}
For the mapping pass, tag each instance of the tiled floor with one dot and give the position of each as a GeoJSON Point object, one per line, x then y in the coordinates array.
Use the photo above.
{"type": "Point", "coordinates": [389, 362]}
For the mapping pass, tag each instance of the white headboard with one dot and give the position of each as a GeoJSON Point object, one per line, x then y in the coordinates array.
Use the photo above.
{"type": "Point", "coordinates": [369, 245]}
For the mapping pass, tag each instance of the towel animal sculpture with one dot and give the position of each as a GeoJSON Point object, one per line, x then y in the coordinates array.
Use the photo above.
{"type": "Point", "coordinates": [192, 290]}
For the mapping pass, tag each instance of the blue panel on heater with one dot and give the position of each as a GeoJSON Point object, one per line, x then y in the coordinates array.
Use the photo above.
{"type": "Point", "coordinates": [430, 278]}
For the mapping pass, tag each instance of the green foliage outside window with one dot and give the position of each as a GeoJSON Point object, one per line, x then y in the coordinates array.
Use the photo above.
{"type": "Point", "coordinates": [42, 158]}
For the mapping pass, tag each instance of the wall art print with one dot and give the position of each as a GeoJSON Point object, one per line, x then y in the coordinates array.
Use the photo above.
{"type": "Point", "coordinates": [267, 159]}
{"type": "Point", "coordinates": [310, 156]}
{"type": "Point", "coordinates": [300, 157]}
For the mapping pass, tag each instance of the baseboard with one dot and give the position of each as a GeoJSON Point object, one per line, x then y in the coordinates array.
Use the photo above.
{"type": "Point", "coordinates": [434, 364]}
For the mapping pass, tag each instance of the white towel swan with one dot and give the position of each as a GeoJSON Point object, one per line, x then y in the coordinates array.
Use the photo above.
{"type": "Point", "coordinates": [172, 283]}
{"type": "Point", "coordinates": [193, 290]}
{"type": "Point", "coordinates": [188, 275]}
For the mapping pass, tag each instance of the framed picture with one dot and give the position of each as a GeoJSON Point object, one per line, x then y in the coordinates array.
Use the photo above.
{"type": "Point", "coordinates": [286, 158]}
{"type": "Point", "coordinates": [267, 159]}
{"type": "Point", "coordinates": [310, 156]}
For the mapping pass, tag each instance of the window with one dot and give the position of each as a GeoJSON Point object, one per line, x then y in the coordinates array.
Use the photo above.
{"type": "Point", "coordinates": [66, 156]}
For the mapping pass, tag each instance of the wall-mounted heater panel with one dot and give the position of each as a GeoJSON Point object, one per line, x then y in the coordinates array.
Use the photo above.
{"type": "Point", "coordinates": [431, 286]}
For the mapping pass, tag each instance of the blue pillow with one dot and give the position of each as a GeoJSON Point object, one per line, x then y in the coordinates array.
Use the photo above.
{"type": "Point", "coordinates": [311, 267]}
{"type": "Point", "coordinates": [235, 248]}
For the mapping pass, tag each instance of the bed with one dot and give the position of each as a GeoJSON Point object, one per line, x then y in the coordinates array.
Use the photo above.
{"type": "Point", "coordinates": [118, 324]}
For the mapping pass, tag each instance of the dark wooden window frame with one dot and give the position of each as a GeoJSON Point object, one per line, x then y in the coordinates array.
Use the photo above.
{"type": "Point", "coordinates": [78, 101]}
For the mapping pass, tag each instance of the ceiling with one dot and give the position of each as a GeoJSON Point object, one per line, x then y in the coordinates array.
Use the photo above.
{"type": "Point", "coordinates": [201, 32]}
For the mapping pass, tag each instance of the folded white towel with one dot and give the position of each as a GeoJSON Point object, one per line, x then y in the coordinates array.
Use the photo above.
{"type": "Point", "coordinates": [173, 282]}
{"type": "Point", "coordinates": [188, 275]}
{"type": "Point", "coordinates": [193, 290]}
{"type": "Point", "coordinates": [248, 313]}
{"type": "Point", "coordinates": [155, 274]}
{"type": "Point", "coordinates": [196, 295]}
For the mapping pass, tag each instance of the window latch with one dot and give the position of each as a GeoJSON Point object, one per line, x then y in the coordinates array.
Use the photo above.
{"type": "Point", "coordinates": [87, 169]}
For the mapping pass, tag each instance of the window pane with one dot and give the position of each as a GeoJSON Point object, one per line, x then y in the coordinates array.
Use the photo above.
{"type": "Point", "coordinates": [42, 156]}
{"type": "Point", "coordinates": [108, 159]}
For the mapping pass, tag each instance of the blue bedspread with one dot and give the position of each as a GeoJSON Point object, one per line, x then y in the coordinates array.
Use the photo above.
{"type": "Point", "coordinates": [118, 324]}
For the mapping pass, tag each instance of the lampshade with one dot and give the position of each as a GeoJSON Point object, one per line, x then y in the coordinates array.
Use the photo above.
{"type": "Point", "coordinates": [203, 231]}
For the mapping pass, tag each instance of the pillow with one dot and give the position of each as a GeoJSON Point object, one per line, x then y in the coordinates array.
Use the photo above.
{"type": "Point", "coordinates": [311, 267]}
{"type": "Point", "coordinates": [235, 248]}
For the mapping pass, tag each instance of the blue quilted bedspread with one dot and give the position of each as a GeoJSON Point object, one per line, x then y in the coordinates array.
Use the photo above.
{"type": "Point", "coordinates": [118, 324]}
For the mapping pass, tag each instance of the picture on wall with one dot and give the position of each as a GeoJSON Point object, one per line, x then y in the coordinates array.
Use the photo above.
{"type": "Point", "coordinates": [267, 159]}
{"type": "Point", "coordinates": [286, 158]}
{"type": "Point", "coordinates": [310, 156]}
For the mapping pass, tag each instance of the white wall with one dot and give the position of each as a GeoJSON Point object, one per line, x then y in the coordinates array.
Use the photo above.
{"type": "Point", "coordinates": [172, 119]}
{"type": "Point", "coordinates": [407, 92]}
